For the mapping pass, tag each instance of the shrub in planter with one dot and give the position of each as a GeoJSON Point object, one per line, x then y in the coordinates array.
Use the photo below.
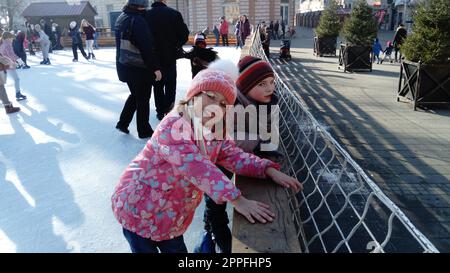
{"type": "Point", "coordinates": [327, 31]}
{"type": "Point", "coordinates": [359, 31]}
{"type": "Point", "coordinates": [425, 71]}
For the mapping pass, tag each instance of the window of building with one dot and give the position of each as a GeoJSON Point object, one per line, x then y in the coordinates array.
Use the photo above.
{"type": "Point", "coordinates": [99, 22]}
{"type": "Point", "coordinates": [231, 11]}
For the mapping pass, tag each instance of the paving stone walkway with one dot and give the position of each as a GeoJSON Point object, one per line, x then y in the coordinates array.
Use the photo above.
{"type": "Point", "coordinates": [406, 153]}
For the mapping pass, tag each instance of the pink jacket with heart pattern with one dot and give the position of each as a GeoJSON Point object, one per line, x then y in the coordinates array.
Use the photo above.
{"type": "Point", "coordinates": [159, 191]}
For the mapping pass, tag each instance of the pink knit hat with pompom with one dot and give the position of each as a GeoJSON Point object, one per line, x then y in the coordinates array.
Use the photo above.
{"type": "Point", "coordinates": [220, 76]}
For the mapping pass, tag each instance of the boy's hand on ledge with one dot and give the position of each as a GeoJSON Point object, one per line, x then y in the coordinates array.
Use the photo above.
{"type": "Point", "coordinates": [284, 180]}
{"type": "Point", "coordinates": [252, 210]}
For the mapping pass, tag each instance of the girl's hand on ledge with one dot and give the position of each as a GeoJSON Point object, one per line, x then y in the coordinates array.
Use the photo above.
{"type": "Point", "coordinates": [284, 180]}
{"type": "Point", "coordinates": [252, 210]}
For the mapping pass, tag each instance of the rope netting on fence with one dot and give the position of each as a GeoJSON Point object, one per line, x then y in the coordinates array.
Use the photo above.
{"type": "Point", "coordinates": [340, 209]}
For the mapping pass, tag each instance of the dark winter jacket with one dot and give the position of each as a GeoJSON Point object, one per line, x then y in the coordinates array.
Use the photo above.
{"type": "Point", "coordinates": [216, 31]}
{"type": "Point", "coordinates": [76, 36]}
{"type": "Point", "coordinates": [265, 39]}
{"type": "Point", "coordinates": [388, 50]}
{"type": "Point", "coordinates": [142, 38]}
{"type": "Point", "coordinates": [18, 44]}
{"type": "Point", "coordinates": [276, 27]}
{"type": "Point", "coordinates": [169, 30]}
{"type": "Point", "coordinates": [89, 31]}
{"type": "Point", "coordinates": [200, 58]}
{"type": "Point", "coordinates": [400, 36]}
{"type": "Point", "coordinates": [47, 28]}
{"type": "Point", "coordinates": [244, 29]}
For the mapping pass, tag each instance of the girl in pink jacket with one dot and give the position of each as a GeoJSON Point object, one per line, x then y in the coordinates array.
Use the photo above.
{"type": "Point", "coordinates": [6, 49]}
{"type": "Point", "coordinates": [158, 193]}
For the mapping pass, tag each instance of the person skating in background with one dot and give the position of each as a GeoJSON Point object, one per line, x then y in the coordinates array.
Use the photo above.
{"type": "Point", "coordinates": [6, 50]}
{"type": "Point", "coordinates": [77, 41]}
{"type": "Point", "coordinates": [47, 28]}
{"type": "Point", "coordinates": [216, 34]}
{"type": "Point", "coordinates": [237, 33]}
{"type": "Point", "coordinates": [224, 31]}
{"type": "Point", "coordinates": [140, 70]}
{"type": "Point", "coordinates": [376, 50]}
{"type": "Point", "coordinates": [200, 56]}
{"type": "Point", "coordinates": [387, 52]}
{"type": "Point", "coordinates": [399, 37]}
{"type": "Point", "coordinates": [96, 35]}
{"type": "Point", "coordinates": [57, 32]}
{"type": "Point", "coordinates": [19, 50]}
{"type": "Point", "coordinates": [5, 64]}
{"type": "Point", "coordinates": [44, 42]}
{"type": "Point", "coordinates": [30, 38]}
{"type": "Point", "coordinates": [89, 31]}
{"type": "Point", "coordinates": [155, 200]}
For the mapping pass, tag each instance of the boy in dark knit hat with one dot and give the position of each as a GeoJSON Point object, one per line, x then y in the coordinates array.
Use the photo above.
{"type": "Point", "coordinates": [200, 55]}
{"type": "Point", "coordinates": [256, 87]}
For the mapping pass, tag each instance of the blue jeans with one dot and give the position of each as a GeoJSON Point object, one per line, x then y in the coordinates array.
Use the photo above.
{"type": "Point", "coordinates": [140, 244]}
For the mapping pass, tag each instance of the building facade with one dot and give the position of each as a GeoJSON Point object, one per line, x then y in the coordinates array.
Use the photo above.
{"type": "Point", "coordinates": [199, 14]}
{"type": "Point", "coordinates": [389, 13]}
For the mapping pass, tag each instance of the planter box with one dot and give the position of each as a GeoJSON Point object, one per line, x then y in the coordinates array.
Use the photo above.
{"type": "Point", "coordinates": [424, 83]}
{"type": "Point", "coordinates": [355, 58]}
{"type": "Point", "coordinates": [325, 46]}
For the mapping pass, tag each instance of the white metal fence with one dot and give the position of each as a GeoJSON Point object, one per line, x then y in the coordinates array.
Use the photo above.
{"type": "Point", "coordinates": [340, 209]}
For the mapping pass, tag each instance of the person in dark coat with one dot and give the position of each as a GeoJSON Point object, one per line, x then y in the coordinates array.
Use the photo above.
{"type": "Point", "coordinates": [216, 34]}
{"type": "Point", "coordinates": [283, 28]}
{"type": "Point", "coordinates": [58, 33]}
{"type": "Point", "coordinates": [140, 70]}
{"type": "Point", "coordinates": [399, 38]}
{"type": "Point", "coordinates": [170, 33]}
{"type": "Point", "coordinates": [200, 55]}
{"type": "Point", "coordinates": [276, 28]}
{"type": "Point", "coordinates": [244, 29]}
{"type": "Point", "coordinates": [77, 42]}
{"type": "Point", "coordinates": [19, 50]}
{"type": "Point", "coordinates": [265, 41]}
{"type": "Point", "coordinates": [29, 36]}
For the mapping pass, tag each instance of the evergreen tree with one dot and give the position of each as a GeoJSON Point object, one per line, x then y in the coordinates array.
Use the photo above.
{"type": "Point", "coordinates": [361, 28]}
{"type": "Point", "coordinates": [430, 40]}
{"type": "Point", "coordinates": [329, 25]}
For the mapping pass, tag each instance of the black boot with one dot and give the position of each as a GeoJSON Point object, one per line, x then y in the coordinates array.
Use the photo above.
{"type": "Point", "coordinates": [11, 109]}
{"type": "Point", "coordinates": [93, 56]}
